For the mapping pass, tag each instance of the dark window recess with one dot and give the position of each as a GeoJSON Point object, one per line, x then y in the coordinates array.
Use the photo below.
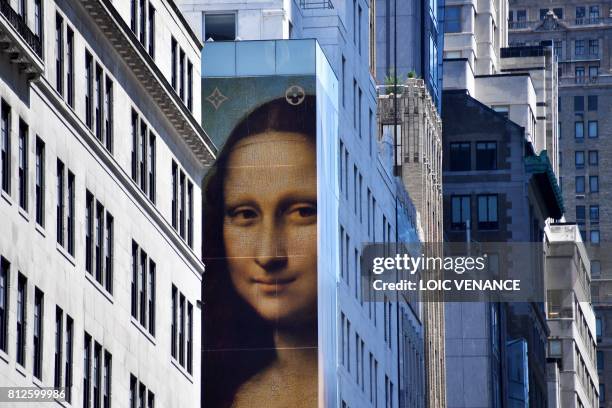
{"type": "Point", "coordinates": [460, 156]}
{"type": "Point", "coordinates": [220, 27]}
{"type": "Point", "coordinates": [580, 212]}
{"type": "Point", "coordinates": [594, 213]}
{"type": "Point", "coordinates": [579, 184]}
{"type": "Point", "coordinates": [486, 155]}
{"type": "Point", "coordinates": [592, 102]}
{"type": "Point", "coordinates": [487, 212]}
{"type": "Point", "coordinates": [578, 103]}
{"type": "Point", "coordinates": [460, 212]}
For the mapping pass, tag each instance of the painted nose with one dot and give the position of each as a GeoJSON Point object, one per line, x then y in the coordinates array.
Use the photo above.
{"type": "Point", "coordinates": [271, 251]}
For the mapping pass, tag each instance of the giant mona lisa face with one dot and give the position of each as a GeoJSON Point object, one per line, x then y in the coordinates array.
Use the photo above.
{"type": "Point", "coordinates": [270, 225]}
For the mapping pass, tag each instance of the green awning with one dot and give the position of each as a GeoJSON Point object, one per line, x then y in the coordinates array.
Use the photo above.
{"type": "Point", "coordinates": [539, 166]}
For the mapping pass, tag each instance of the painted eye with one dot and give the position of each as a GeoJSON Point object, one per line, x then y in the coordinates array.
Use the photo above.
{"type": "Point", "coordinates": [303, 213]}
{"type": "Point", "coordinates": [242, 215]}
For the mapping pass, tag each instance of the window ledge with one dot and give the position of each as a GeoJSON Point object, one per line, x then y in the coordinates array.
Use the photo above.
{"type": "Point", "coordinates": [4, 356]}
{"type": "Point", "coordinates": [21, 369]}
{"type": "Point", "coordinates": [38, 383]}
{"type": "Point", "coordinates": [65, 253]}
{"type": "Point", "coordinates": [143, 330]}
{"type": "Point", "coordinates": [24, 214]}
{"type": "Point", "coordinates": [7, 197]}
{"type": "Point", "coordinates": [99, 287]}
{"type": "Point", "coordinates": [41, 230]}
{"type": "Point", "coordinates": [181, 369]}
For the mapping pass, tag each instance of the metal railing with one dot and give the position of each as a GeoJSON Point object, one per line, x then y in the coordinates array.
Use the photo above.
{"type": "Point", "coordinates": [316, 4]}
{"type": "Point", "coordinates": [586, 80]}
{"type": "Point", "coordinates": [21, 26]}
{"type": "Point", "coordinates": [572, 22]}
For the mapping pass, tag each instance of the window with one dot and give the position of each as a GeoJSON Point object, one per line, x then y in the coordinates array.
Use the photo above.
{"type": "Point", "coordinates": [133, 15]}
{"type": "Point", "coordinates": [594, 47]}
{"type": "Point", "coordinates": [594, 13]}
{"type": "Point", "coordinates": [89, 206]}
{"type": "Point", "coordinates": [151, 19]}
{"type": "Point", "coordinates": [173, 50]}
{"type": "Point", "coordinates": [142, 11]}
{"type": "Point", "coordinates": [38, 20]}
{"type": "Point", "coordinates": [59, 54]}
{"type": "Point", "coordinates": [558, 49]}
{"type": "Point", "coordinates": [108, 114]}
{"type": "Point", "coordinates": [543, 13]}
{"type": "Point", "coordinates": [5, 146]}
{"type": "Point", "coordinates": [579, 130]}
{"type": "Point", "coordinates": [60, 202]}
{"type": "Point", "coordinates": [108, 254]}
{"type": "Point", "coordinates": [460, 156]}
{"type": "Point", "coordinates": [578, 103]}
{"type": "Point", "coordinates": [600, 360]}
{"type": "Point", "coordinates": [580, 213]}
{"type": "Point", "coordinates": [22, 283]}
{"type": "Point", "coordinates": [69, 338]}
{"type": "Point", "coordinates": [453, 20]}
{"type": "Point", "coordinates": [593, 158]}
{"type": "Point", "coordinates": [59, 331]}
{"type": "Point", "coordinates": [595, 268]}
{"type": "Point", "coordinates": [602, 393]}
{"type": "Point", "coordinates": [190, 86]}
{"type": "Point", "coordinates": [70, 218]}
{"type": "Point", "coordinates": [140, 397]}
{"type": "Point", "coordinates": [144, 159]}
{"type": "Point", "coordinates": [143, 288]}
{"type": "Point", "coordinates": [89, 89]}
{"type": "Point", "coordinates": [486, 155]}
{"type": "Point", "coordinates": [174, 324]}
{"type": "Point", "coordinates": [86, 371]}
{"type": "Point", "coordinates": [558, 12]}
{"type": "Point", "coordinates": [594, 184]}
{"type": "Point", "coordinates": [97, 378]}
{"type": "Point", "coordinates": [593, 72]}
{"type": "Point", "coordinates": [594, 213]}
{"type": "Point", "coordinates": [220, 27]}
{"type": "Point", "coordinates": [190, 214]}
{"type": "Point", "coordinates": [174, 195]}
{"type": "Point", "coordinates": [579, 47]}
{"type": "Point", "coordinates": [65, 213]}
{"type": "Point", "coordinates": [70, 66]}
{"type": "Point", "coordinates": [152, 166]}
{"type": "Point", "coordinates": [342, 79]}
{"type": "Point", "coordinates": [189, 338]}
{"type": "Point", "coordinates": [555, 348]}
{"type": "Point", "coordinates": [460, 212]}
{"type": "Point", "coordinates": [107, 380]}
{"type": "Point", "coordinates": [521, 15]}
{"type": "Point", "coordinates": [579, 184]}
{"type": "Point", "coordinates": [592, 102]}
{"type": "Point", "coordinates": [182, 204]}
{"type": "Point", "coordinates": [487, 212]}
{"type": "Point", "coordinates": [579, 73]}
{"type": "Point", "coordinates": [593, 129]}
{"type": "Point", "coordinates": [4, 302]}
{"type": "Point", "coordinates": [372, 40]}
{"type": "Point", "coordinates": [181, 86]}
{"type": "Point", "coordinates": [37, 357]}
{"type": "Point", "coordinates": [503, 110]}
{"type": "Point", "coordinates": [23, 165]}
{"type": "Point", "coordinates": [579, 158]}
{"type": "Point", "coordinates": [182, 330]}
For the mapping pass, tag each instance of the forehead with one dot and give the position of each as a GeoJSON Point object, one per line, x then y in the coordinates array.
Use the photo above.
{"type": "Point", "coordinates": [270, 164]}
{"type": "Point", "coordinates": [272, 149]}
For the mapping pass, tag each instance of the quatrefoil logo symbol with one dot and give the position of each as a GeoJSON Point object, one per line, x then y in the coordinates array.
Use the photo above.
{"type": "Point", "coordinates": [295, 95]}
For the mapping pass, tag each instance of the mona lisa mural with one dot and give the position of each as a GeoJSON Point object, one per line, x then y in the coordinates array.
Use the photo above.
{"type": "Point", "coordinates": [262, 305]}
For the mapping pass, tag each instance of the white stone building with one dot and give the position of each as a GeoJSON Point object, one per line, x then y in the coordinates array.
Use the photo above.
{"type": "Point", "coordinates": [100, 234]}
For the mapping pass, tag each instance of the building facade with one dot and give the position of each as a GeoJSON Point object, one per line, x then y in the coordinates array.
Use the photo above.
{"type": "Point", "coordinates": [417, 158]}
{"type": "Point", "coordinates": [367, 195]}
{"type": "Point", "coordinates": [102, 161]}
{"type": "Point", "coordinates": [410, 40]}
{"type": "Point", "coordinates": [570, 317]}
{"type": "Point", "coordinates": [580, 36]}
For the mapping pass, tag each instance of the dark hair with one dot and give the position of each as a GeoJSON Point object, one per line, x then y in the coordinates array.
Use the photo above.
{"type": "Point", "coordinates": [236, 342]}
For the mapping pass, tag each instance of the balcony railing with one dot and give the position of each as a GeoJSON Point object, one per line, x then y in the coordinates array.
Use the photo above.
{"type": "Point", "coordinates": [316, 4]}
{"type": "Point", "coordinates": [571, 22]}
{"type": "Point", "coordinates": [586, 80]}
{"type": "Point", "coordinates": [21, 26]}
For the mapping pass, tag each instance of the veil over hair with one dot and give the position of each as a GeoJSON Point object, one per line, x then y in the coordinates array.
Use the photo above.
{"type": "Point", "coordinates": [236, 342]}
